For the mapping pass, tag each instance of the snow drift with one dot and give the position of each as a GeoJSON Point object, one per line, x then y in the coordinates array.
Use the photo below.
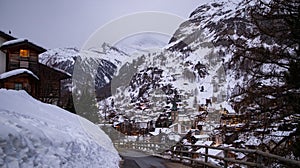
{"type": "Point", "coordinates": [35, 134]}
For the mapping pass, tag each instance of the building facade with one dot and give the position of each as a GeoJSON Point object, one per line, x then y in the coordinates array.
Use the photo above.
{"type": "Point", "coordinates": [20, 70]}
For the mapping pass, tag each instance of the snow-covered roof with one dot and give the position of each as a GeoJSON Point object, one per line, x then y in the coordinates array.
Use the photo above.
{"type": "Point", "coordinates": [281, 133]}
{"type": "Point", "coordinates": [237, 141]}
{"type": "Point", "coordinates": [213, 152]}
{"type": "Point", "coordinates": [17, 72]}
{"type": "Point", "coordinates": [204, 136]}
{"type": "Point", "coordinates": [15, 41]}
{"type": "Point", "coordinates": [204, 143]}
{"type": "Point", "coordinates": [275, 139]}
{"type": "Point", "coordinates": [21, 40]}
{"type": "Point", "coordinates": [160, 130]}
{"type": "Point", "coordinates": [240, 155]}
{"type": "Point", "coordinates": [253, 141]}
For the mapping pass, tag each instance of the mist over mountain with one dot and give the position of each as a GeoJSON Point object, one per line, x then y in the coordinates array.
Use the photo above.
{"type": "Point", "coordinates": [142, 42]}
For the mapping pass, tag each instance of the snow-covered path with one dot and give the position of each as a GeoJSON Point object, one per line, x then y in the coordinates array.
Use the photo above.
{"type": "Point", "coordinates": [135, 159]}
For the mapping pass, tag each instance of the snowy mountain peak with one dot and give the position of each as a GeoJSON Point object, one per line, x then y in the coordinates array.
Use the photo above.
{"type": "Point", "coordinates": [106, 48]}
{"type": "Point", "coordinates": [58, 55]}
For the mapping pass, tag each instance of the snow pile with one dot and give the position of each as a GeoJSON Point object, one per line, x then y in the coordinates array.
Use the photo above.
{"type": "Point", "coordinates": [35, 134]}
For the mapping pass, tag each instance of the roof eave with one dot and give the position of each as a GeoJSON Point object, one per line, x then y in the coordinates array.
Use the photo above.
{"type": "Point", "coordinates": [25, 42]}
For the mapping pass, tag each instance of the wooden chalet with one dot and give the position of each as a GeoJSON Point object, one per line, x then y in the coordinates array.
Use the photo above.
{"type": "Point", "coordinates": [20, 79]}
{"type": "Point", "coordinates": [22, 70]}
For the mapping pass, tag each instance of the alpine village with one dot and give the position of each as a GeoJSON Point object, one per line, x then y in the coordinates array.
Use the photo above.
{"type": "Point", "coordinates": [224, 91]}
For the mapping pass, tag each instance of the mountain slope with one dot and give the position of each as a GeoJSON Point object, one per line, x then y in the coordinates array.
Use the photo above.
{"type": "Point", "coordinates": [250, 39]}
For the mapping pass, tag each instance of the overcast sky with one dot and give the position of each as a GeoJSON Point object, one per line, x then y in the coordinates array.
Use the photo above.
{"type": "Point", "coordinates": [69, 23]}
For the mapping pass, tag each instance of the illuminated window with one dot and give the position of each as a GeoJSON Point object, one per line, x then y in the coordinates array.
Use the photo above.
{"type": "Point", "coordinates": [18, 86]}
{"type": "Point", "coordinates": [24, 53]}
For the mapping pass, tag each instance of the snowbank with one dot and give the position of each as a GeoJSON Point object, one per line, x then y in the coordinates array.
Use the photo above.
{"type": "Point", "coordinates": [35, 134]}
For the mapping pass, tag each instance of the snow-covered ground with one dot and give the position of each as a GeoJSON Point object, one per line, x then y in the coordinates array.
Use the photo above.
{"type": "Point", "coordinates": [35, 134]}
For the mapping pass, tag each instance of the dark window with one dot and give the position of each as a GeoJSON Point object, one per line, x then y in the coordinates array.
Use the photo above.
{"type": "Point", "coordinates": [18, 86]}
{"type": "Point", "coordinates": [24, 64]}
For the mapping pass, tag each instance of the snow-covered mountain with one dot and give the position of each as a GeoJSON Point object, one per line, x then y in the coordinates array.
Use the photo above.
{"type": "Point", "coordinates": [35, 134]}
{"type": "Point", "coordinates": [105, 60]}
{"type": "Point", "coordinates": [189, 70]}
{"type": "Point", "coordinates": [227, 29]}
{"type": "Point", "coordinates": [204, 28]}
{"type": "Point", "coordinates": [193, 69]}
{"type": "Point", "coordinates": [61, 58]}
{"type": "Point", "coordinates": [191, 65]}
{"type": "Point", "coordinates": [101, 63]}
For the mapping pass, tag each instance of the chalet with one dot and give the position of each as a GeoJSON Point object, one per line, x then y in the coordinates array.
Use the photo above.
{"type": "Point", "coordinates": [21, 70]}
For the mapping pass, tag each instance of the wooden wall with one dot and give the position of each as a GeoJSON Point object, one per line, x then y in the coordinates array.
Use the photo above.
{"type": "Point", "coordinates": [13, 59]}
{"type": "Point", "coordinates": [50, 84]}
{"type": "Point", "coordinates": [29, 83]}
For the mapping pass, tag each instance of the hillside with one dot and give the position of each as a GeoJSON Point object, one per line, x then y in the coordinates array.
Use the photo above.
{"type": "Point", "coordinates": [221, 59]}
